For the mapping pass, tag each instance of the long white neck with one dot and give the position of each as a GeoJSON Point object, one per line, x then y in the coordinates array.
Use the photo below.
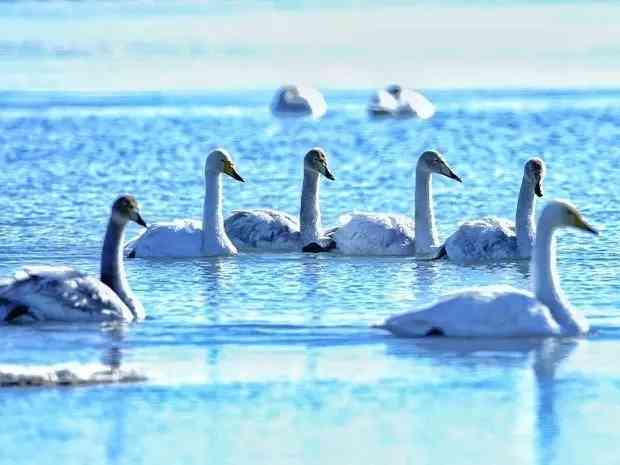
{"type": "Point", "coordinates": [310, 212]}
{"type": "Point", "coordinates": [425, 228]}
{"type": "Point", "coordinates": [113, 268]}
{"type": "Point", "coordinates": [524, 220]}
{"type": "Point", "coordinates": [214, 236]}
{"type": "Point", "coordinates": [547, 283]}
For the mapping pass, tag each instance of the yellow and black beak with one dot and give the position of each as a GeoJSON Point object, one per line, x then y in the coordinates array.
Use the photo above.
{"type": "Point", "coordinates": [581, 223]}
{"type": "Point", "coordinates": [230, 170]}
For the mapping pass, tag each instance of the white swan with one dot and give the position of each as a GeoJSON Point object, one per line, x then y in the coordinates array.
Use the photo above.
{"type": "Point", "coordinates": [504, 311]}
{"type": "Point", "coordinates": [396, 101]}
{"type": "Point", "coordinates": [497, 238]}
{"type": "Point", "coordinates": [274, 231]}
{"type": "Point", "coordinates": [388, 234]}
{"type": "Point", "coordinates": [298, 101]}
{"type": "Point", "coordinates": [190, 238]}
{"type": "Point", "coordinates": [62, 294]}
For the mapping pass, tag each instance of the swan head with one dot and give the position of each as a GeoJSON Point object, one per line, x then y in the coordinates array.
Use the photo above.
{"type": "Point", "coordinates": [565, 213]}
{"type": "Point", "coordinates": [394, 90]}
{"type": "Point", "coordinates": [432, 161]}
{"type": "Point", "coordinates": [316, 160]}
{"type": "Point", "coordinates": [289, 92]}
{"type": "Point", "coordinates": [219, 161]}
{"type": "Point", "coordinates": [534, 171]}
{"type": "Point", "coordinates": [125, 209]}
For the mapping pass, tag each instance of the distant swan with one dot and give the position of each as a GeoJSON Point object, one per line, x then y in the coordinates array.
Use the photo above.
{"type": "Point", "coordinates": [62, 294]}
{"type": "Point", "coordinates": [190, 238]}
{"type": "Point", "coordinates": [399, 102]}
{"type": "Point", "coordinates": [496, 238]}
{"type": "Point", "coordinates": [389, 234]}
{"type": "Point", "coordinates": [274, 231]}
{"type": "Point", "coordinates": [298, 101]}
{"type": "Point", "coordinates": [504, 311]}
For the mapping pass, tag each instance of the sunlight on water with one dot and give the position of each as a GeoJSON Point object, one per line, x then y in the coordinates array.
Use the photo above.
{"type": "Point", "coordinates": [264, 356]}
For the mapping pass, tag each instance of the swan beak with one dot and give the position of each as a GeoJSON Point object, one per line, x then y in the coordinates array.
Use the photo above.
{"type": "Point", "coordinates": [580, 223]}
{"type": "Point", "coordinates": [230, 170]}
{"type": "Point", "coordinates": [449, 173]}
{"type": "Point", "coordinates": [538, 189]}
{"type": "Point", "coordinates": [328, 173]}
{"type": "Point", "coordinates": [138, 219]}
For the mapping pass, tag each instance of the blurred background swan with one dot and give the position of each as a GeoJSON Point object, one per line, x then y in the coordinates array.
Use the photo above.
{"type": "Point", "coordinates": [397, 101]}
{"type": "Point", "coordinates": [493, 238]}
{"type": "Point", "coordinates": [395, 234]}
{"type": "Point", "coordinates": [505, 311]}
{"type": "Point", "coordinates": [292, 100]}
{"type": "Point", "coordinates": [59, 293]}
{"type": "Point", "coordinates": [192, 238]}
{"type": "Point", "coordinates": [274, 231]}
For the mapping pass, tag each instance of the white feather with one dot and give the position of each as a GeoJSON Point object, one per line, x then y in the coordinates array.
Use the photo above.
{"type": "Point", "coordinates": [375, 234]}
{"type": "Point", "coordinates": [179, 238]}
{"type": "Point", "coordinates": [482, 240]}
{"type": "Point", "coordinates": [499, 311]}
{"type": "Point", "coordinates": [263, 229]}
{"type": "Point", "coordinates": [62, 294]}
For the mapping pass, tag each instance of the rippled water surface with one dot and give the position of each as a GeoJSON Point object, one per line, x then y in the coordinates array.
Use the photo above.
{"type": "Point", "coordinates": [269, 358]}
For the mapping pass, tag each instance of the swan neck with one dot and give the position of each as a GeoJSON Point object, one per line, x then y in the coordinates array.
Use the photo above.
{"type": "Point", "coordinates": [212, 215]}
{"type": "Point", "coordinates": [310, 212]}
{"type": "Point", "coordinates": [112, 264]}
{"type": "Point", "coordinates": [425, 228]}
{"type": "Point", "coordinates": [524, 221]}
{"type": "Point", "coordinates": [546, 280]}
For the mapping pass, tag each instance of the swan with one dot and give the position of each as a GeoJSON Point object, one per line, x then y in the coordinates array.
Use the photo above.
{"type": "Point", "coordinates": [60, 293]}
{"type": "Point", "coordinates": [298, 101]}
{"type": "Point", "coordinates": [270, 230]}
{"type": "Point", "coordinates": [190, 238]}
{"type": "Point", "coordinates": [400, 102]}
{"type": "Point", "coordinates": [389, 234]}
{"type": "Point", "coordinates": [496, 238]}
{"type": "Point", "coordinates": [504, 311]}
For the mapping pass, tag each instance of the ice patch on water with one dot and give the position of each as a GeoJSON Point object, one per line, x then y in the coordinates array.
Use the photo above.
{"type": "Point", "coordinates": [66, 375]}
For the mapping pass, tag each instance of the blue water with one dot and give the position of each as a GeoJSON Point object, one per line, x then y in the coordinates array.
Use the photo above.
{"type": "Point", "coordinates": [269, 358]}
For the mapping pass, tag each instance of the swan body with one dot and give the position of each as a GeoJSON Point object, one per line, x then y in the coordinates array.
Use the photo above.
{"type": "Point", "coordinates": [266, 230]}
{"type": "Point", "coordinates": [298, 101]}
{"type": "Point", "coordinates": [392, 234]}
{"type": "Point", "coordinates": [491, 238]}
{"type": "Point", "coordinates": [190, 238]}
{"type": "Point", "coordinates": [504, 311]}
{"type": "Point", "coordinates": [376, 234]}
{"type": "Point", "coordinates": [382, 103]}
{"type": "Point", "coordinates": [399, 102]}
{"type": "Point", "coordinates": [60, 293]}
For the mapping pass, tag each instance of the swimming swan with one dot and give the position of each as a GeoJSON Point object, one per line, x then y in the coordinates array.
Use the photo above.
{"type": "Point", "coordinates": [298, 101]}
{"type": "Point", "coordinates": [503, 311]}
{"type": "Point", "coordinates": [62, 294]}
{"type": "Point", "coordinates": [399, 102]}
{"type": "Point", "coordinates": [389, 234]}
{"type": "Point", "coordinates": [497, 238]}
{"type": "Point", "coordinates": [274, 231]}
{"type": "Point", "coordinates": [191, 238]}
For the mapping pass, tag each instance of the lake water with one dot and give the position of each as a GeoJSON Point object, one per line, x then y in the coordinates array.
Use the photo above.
{"type": "Point", "coordinates": [269, 359]}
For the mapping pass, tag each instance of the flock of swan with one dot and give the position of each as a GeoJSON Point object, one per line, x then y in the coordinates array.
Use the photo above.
{"type": "Point", "coordinates": [63, 294]}
{"type": "Point", "coordinates": [393, 101]}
